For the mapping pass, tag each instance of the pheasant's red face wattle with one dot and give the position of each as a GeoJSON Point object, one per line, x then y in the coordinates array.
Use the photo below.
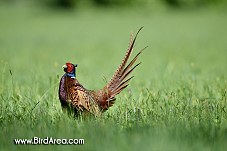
{"type": "Point", "coordinates": [70, 67]}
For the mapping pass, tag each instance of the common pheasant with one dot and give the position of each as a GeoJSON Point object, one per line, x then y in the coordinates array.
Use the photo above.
{"type": "Point", "coordinates": [75, 98]}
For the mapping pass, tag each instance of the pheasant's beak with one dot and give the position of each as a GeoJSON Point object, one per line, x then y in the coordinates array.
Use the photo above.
{"type": "Point", "coordinates": [64, 66]}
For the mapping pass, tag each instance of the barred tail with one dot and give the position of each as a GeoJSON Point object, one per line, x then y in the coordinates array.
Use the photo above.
{"type": "Point", "coordinates": [119, 81]}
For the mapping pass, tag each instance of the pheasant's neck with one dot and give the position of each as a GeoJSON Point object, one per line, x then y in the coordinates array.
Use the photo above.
{"type": "Point", "coordinates": [72, 75]}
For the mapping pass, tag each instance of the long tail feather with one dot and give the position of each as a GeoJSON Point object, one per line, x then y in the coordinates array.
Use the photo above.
{"type": "Point", "coordinates": [118, 82]}
{"type": "Point", "coordinates": [132, 62]}
{"type": "Point", "coordinates": [124, 83]}
{"type": "Point", "coordinates": [117, 74]}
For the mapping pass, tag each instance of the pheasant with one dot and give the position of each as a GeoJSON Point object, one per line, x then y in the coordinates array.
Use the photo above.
{"type": "Point", "coordinates": [75, 98]}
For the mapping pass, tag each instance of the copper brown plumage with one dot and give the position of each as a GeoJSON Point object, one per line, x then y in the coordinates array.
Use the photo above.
{"type": "Point", "coordinates": [74, 97]}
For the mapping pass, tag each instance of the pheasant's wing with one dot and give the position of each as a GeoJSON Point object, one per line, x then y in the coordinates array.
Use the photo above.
{"type": "Point", "coordinates": [88, 102]}
{"type": "Point", "coordinates": [82, 100]}
{"type": "Point", "coordinates": [119, 80]}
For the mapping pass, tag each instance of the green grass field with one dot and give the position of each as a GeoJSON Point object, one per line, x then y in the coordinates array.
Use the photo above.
{"type": "Point", "coordinates": [176, 101]}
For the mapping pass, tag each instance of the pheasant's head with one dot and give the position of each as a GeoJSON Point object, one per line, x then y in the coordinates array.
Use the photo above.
{"type": "Point", "coordinates": [70, 69]}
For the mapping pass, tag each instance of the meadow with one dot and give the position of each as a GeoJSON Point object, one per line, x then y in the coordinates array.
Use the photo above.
{"type": "Point", "coordinates": [176, 101]}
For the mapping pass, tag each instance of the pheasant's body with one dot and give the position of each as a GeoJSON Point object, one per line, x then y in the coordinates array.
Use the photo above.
{"type": "Point", "coordinates": [74, 96]}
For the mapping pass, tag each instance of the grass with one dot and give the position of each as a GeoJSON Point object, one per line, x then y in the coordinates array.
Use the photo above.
{"type": "Point", "coordinates": [177, 100]}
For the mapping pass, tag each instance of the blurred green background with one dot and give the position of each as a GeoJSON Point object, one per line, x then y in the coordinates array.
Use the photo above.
{"type": "Point", "coordinates": [177, 100]}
